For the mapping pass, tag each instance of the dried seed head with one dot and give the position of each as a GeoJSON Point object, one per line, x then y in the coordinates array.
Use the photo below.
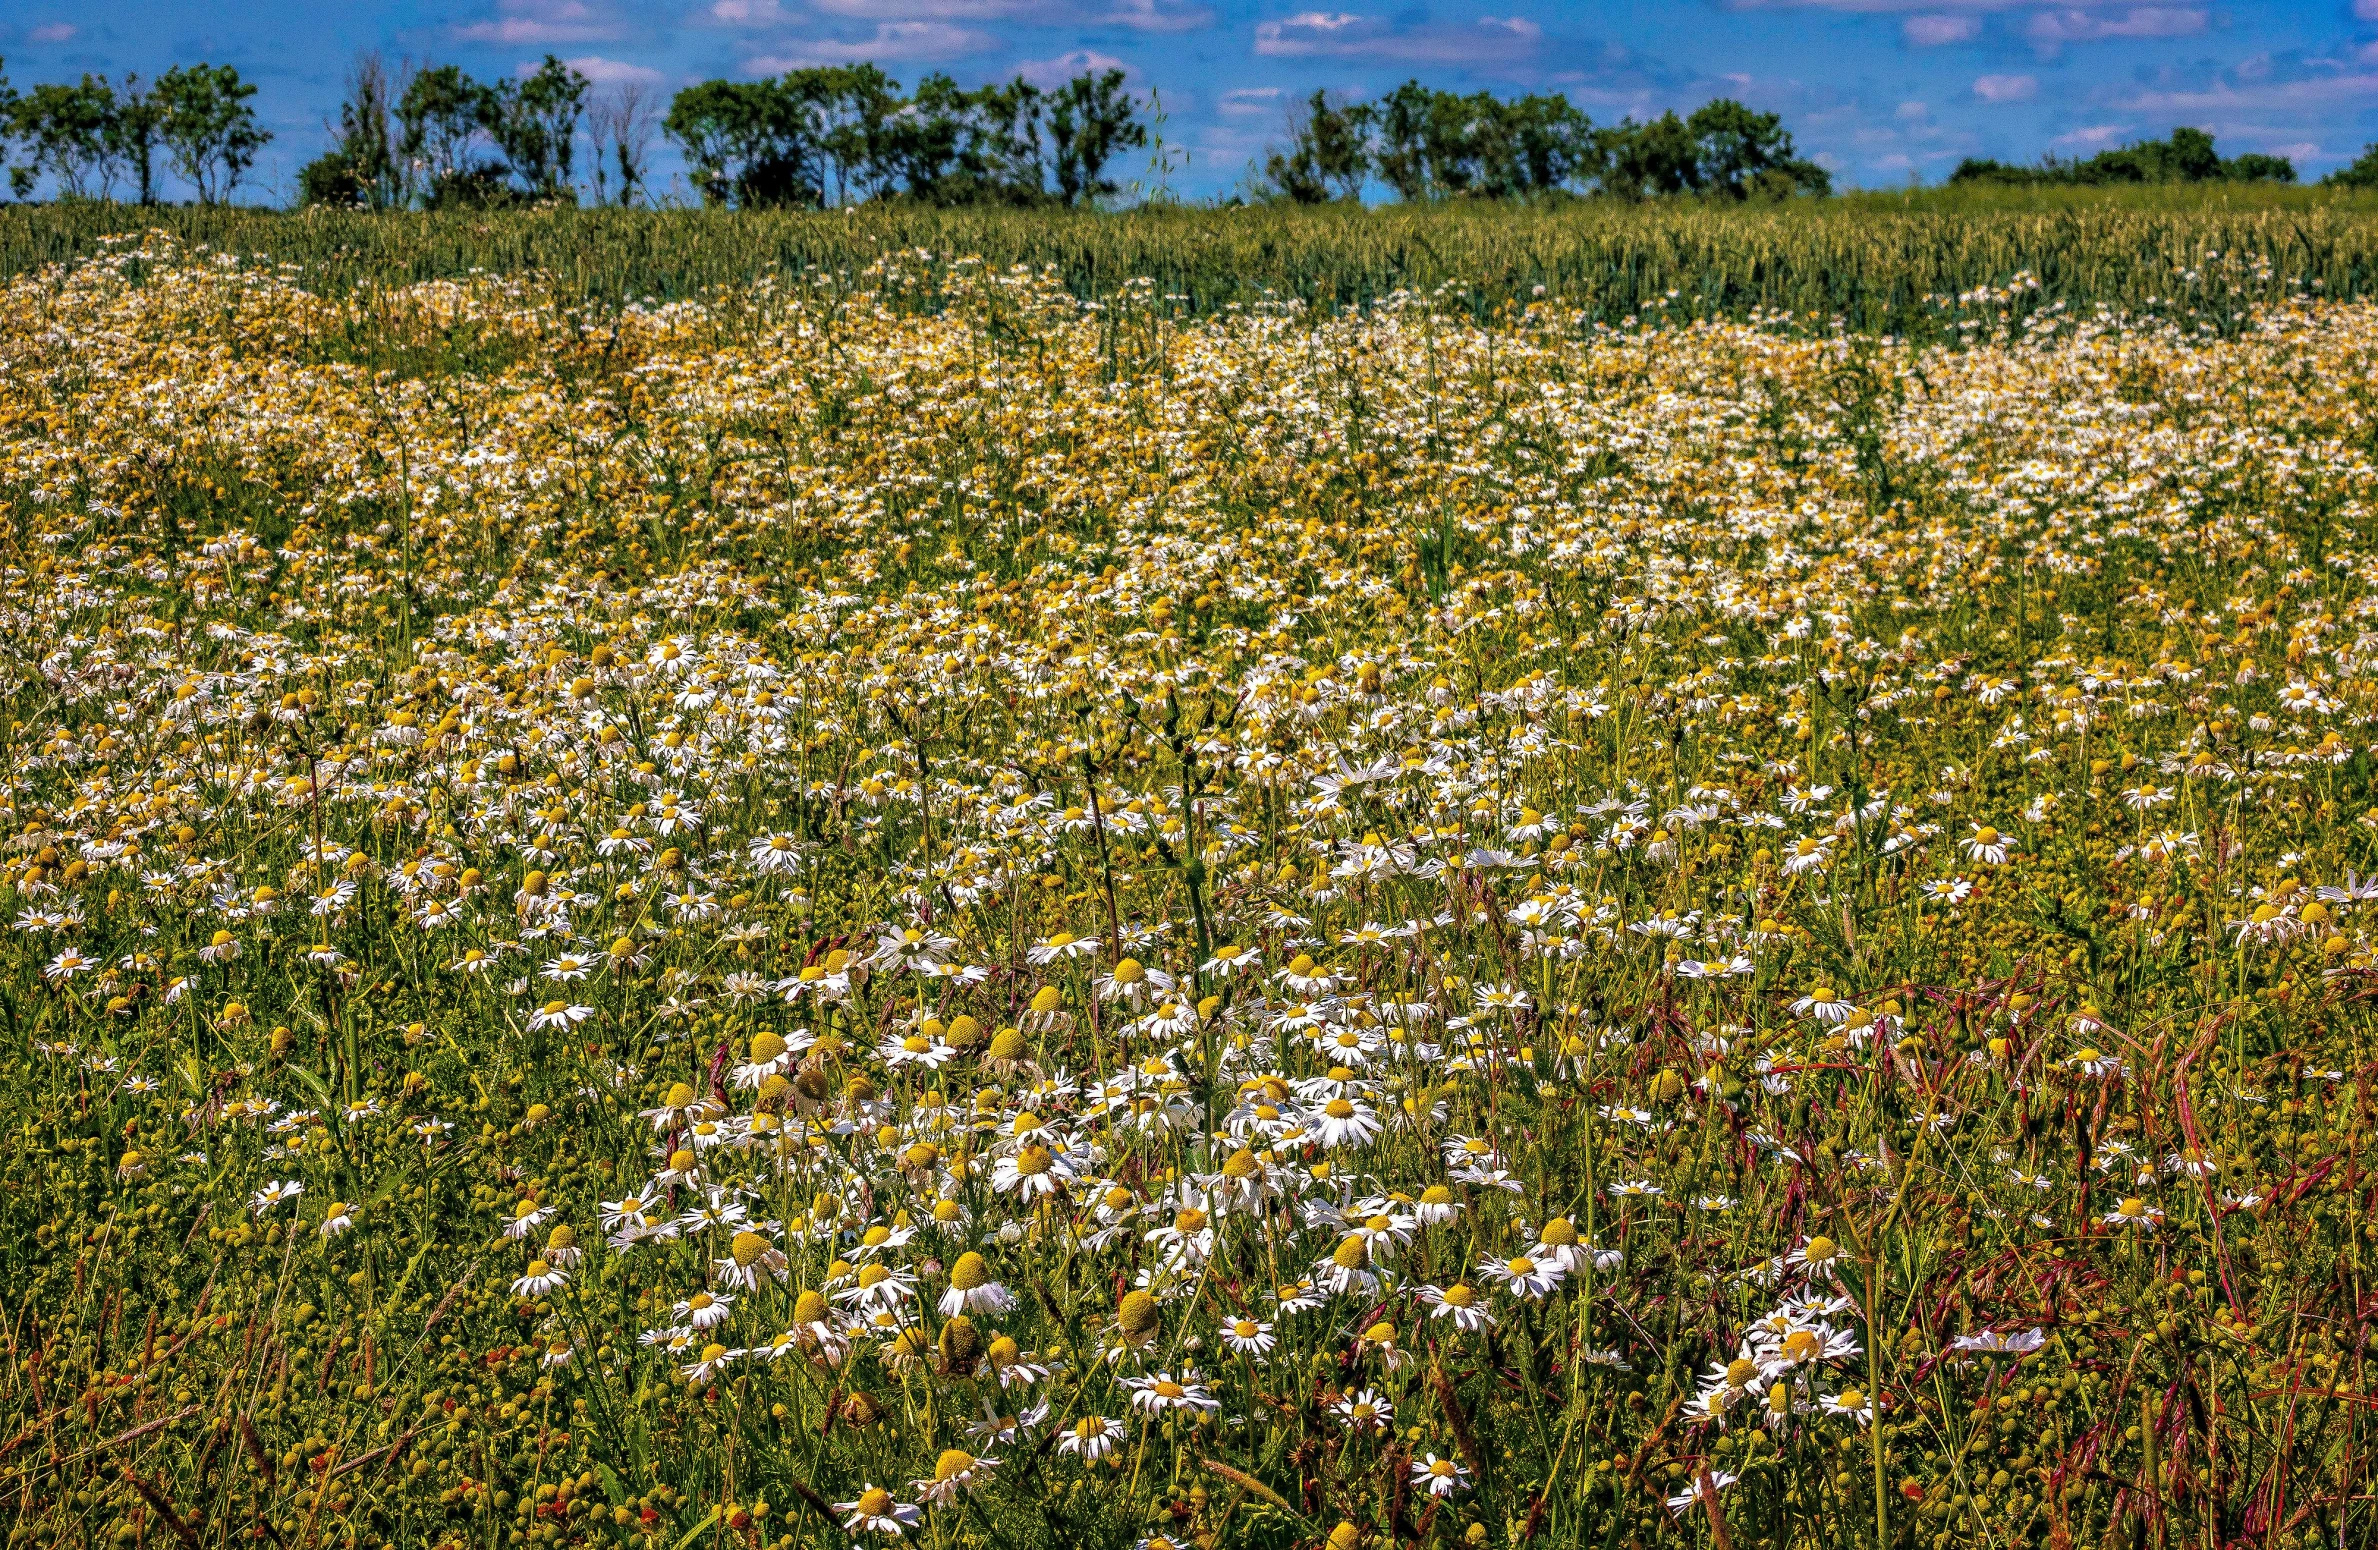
{"type": "Point", "coordinates": [1136, 1315]}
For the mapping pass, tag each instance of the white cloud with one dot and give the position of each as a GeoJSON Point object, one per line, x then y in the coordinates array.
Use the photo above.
{"type": "Point", "coordinates": [931, 10]}
{"type": "Point", "coordinates": [1153, 15]}
{"type": "Point", "coordinates": [1898, 7]}
{"type": "Point", "coordinates": [1884, 7]}
{"type": "Point", "coordinates": [1934, 31]}
{"type": "Point", "coordinates": [747, 13]}
{"type": "Point", "coordinates": [51, 32]}
{"type": "Point", "coordinates": [2006, 88]}
{"type": "Point", "coordinates": [1913, 112]}
{"type": "Point", "coordinates": [536, 22]}
{"type": "Point", "coordinates": [892, 42]}
{"type": "Point", "coordinates": [1047, 73]}
{"type": "Point", "coordinates": [1141, 15]}
{"type": "Point", "coordinates": [2319, 94]}
{"type": "Point", "coordinates": [1346, 35]}
{"type": "Point", "coordinates": [1315, 32]}
{"type": "Point", "coordinates": [2090, 137]}
{"type": "Point", "coordinates": [1251, 99]}
{"type": "Point", "coordinates": [603, 72]}
{"type": "Point", "coordinates": [2049, 29]}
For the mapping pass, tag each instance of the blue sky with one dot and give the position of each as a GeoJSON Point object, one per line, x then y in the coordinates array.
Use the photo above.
{"type": "Point", "coordinates": [1879, 90]}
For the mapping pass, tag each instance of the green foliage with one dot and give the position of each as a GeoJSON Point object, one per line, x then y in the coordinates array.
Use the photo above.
{"type": "Point", "coordinates": [441, 118]}
{"type": "Point", "coordinates": [1742, 154]}
{"type": "Point", "coordinates": [534, 123]}
{"type": "Point", "coordinates": [2361, 172]}
{"type": "Point", "coordinates": [843, 135]}
{"type": "Point", "coordinates": [1326, 157]}
{"type": "Point", "coordinates": [207, 127]}
{"type": "Point", "coordinates": [68, 134]}
{"type": "Point", "coordinates": [1428, 144]}
{"type": "Point", "coordinates": [86, 136]}
{"type": "Point", "coordinates": [1873, 261]}
{"type": "Point", "coordinates": [135, 133]}
{"type": "Point", "coordinates": [448, 123]}
{"type": "Point", "coordinates": [362, 170]}
{"type": "Point", "coordinates": [1090, 119]}
{"type": "Point", "coordinates": [2187, 157]}
{"type": "Point", "coordinates": [745, 144]}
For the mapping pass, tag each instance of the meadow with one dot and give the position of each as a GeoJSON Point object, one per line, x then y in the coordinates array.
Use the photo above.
{"type": "Point", "coordinates": [912, 901]}
{"type": "Point", "coordinates": [1876, 262]}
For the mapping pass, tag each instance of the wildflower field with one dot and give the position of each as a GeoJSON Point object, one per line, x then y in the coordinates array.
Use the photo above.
{"type": "Point", "coordinates": [796, 918]}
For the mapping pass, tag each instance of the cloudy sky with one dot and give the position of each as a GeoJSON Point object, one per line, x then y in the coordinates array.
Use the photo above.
{"type": "Point", "coordinates": [1882, 91]}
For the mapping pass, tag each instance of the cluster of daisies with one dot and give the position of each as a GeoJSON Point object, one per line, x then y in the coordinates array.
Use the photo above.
{"type": "Point", "coordinates": [1400, 926]}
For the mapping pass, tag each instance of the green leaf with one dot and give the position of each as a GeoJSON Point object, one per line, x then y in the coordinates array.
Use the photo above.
{"type": "Point", "coordinates": [692, 1533]}
{"type": "Point", "coordinates": [314, 1084]}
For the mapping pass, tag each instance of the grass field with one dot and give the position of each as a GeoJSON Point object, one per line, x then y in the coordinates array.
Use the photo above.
{"type": "Point", "coordinates": [887, 902]}
{"type": "Point", "coordinates": [1875, 261]}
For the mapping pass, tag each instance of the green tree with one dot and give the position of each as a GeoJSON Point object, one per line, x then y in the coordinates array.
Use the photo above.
{"type": "Point", "coordinates": [2258, 167]}
{"type": "Point", "coordinates": [441, 123]}
{"type": "Point", "coordinates": [1400, 127]}
{"type": "Point", "coordinates": [2186, 157]}
{"type": "Point", "coordinates": [1660, 157]}
{"type": "Point", "coordinates": [1723, 150]}
{"type": "Point", "coordinates": [923, 140]}
{"type": "Point", "coordinates": [747, 143]}
{"type": "Point", "coordinates": [2361, 172]}
{"type": "Point", "coordinates": [1327, 156]}
{"type": "Point", "coordinates": [1428, 144]}
{"type": "Point", "coordinates": [850, 110]}
{"type": "Point", "coordinates": [1090, 119]}
{"type": "Point", "coordinates": [362, 168]}
{"type": "Point", "coordinates": [68, 134]}
{"type": "Point", "coordinates": [1739, 153]}
{"type": "Point", "coordinates": [134, 134]}
{"type": "Point", "coordinates": [1542, 142]}
{"type": "Point", "coordinates": [534, 124]}
{"type": "Point", "coordinates": [1988, 169]}
{"type": "Point", "coordinates": [1460, 138]}
{"type": "Point", "coordinates": [1003, 149]}
{"type": "Point", "coordinates": [208, 128]}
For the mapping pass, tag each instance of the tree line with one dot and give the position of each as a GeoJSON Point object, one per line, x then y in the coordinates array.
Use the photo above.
{"type": "Point", "coordinates": [1430, 144]}
{"type": "Point", "coordinates": [96, 135]}
{"type": "Point", "coordinates": [2187, 157]}
{"type": "Point", "coordinates": [435, 137]}
{"type": "Point", "coordinates": [432, 136]}
{"type": "Point", "coordinates": [846, 134]}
